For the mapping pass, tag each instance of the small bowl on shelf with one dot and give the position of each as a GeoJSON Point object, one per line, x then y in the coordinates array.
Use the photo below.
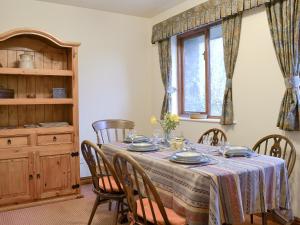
{"type": "Point", "coordinates": [198, 116]}
{"type": "Point", "coordinates": [7, 93]}
{"type": "Point", "coordinates": [31, 96]}
{"type": "Point", "coordinates": [59, 93]}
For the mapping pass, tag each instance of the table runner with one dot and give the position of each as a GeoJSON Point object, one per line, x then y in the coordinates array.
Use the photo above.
{"type": "Point", "coordinates": [217, 193]}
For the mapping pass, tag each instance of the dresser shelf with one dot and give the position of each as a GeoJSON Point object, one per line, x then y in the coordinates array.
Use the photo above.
{"type": "Point", "coordinates": [38, 130]}
{"type": "Point", "coordinates": [35, 72]}
{"type": "Point", "coordinates": [37, 101]}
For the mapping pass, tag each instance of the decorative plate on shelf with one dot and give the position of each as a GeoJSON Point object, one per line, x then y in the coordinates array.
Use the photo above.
{"type": "Point", "coordinates": [54, 124]}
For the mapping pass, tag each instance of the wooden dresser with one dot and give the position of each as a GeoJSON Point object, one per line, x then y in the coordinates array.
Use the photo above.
{"type": "Point", "coordinates": [38, 163]}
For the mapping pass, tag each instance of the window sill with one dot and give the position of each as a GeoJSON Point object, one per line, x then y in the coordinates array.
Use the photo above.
{"type": "Point", "coordinates": [208, 120]}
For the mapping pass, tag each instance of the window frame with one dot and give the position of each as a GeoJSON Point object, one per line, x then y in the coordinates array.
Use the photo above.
{"type": "Point", "coordinates": [180, 70]}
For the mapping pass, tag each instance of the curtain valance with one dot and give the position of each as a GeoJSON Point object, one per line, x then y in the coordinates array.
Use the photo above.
{"type": "Point", "coordinates": [208, 12]}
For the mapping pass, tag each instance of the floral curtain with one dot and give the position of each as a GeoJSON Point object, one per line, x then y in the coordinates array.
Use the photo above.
{"type": "Point", "coordinates": [165, 60]}
{"type": "Point", "coordinates": [284, 23]}
{"type": "Point", "coordinates": [202, 14]}
{"type": "Point", "coordinates": [231, 28]}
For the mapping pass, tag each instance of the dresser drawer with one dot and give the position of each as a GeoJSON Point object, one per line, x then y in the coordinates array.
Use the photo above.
{"type": "Point", "coordinates": [52, 139]}
{"type": "Point", "coordinates": [14, 141]}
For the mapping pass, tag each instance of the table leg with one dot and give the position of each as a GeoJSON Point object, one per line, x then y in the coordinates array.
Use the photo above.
{"type": "Point", "coordinates": [264, 218]}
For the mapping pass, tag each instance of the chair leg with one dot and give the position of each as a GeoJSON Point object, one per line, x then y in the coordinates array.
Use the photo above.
{"type": "Point", "coordinates": [109, 205]}
{"type": "Point", "coordinates": [117, 212]}
{"type": "Point", "coordinates": [123, 218]}
{"type": "Point", "coordinates": [264, 218]}
{"type": "Point", "coordinates": [251, 218]}
{"type": "Point", "coordinates": [94, 209]}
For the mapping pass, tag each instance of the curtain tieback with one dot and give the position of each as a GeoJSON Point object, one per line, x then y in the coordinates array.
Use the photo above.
{"type": "Point", "coordinates": [229, 83]}
{"type": "Point", "coordinates": [292, 82]}
{"type": "Point", "coordinates": [171, 90]}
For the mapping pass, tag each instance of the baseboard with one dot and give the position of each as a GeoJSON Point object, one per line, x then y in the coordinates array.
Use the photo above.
{"type": "Point", "coordinates": [85, 180]}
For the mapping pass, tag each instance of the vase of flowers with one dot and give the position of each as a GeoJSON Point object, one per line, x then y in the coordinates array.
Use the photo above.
{"type": "Point", "coordinates": [168, 124]}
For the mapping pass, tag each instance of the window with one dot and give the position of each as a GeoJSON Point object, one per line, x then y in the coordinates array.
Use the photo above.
{"type": "Point", "coordinates": [201, 72]}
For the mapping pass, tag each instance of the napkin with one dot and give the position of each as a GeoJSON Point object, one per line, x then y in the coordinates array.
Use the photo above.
{"type": "Point", "coordinates": [137, 139]}
{"type": "Point", "coordinates": [238, 151]}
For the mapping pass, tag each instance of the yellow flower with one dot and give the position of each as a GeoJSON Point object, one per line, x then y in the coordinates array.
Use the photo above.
{"type": "Point", "coordinates": [153, 120]}
{"type": "Point", "coordinates": [174, 118]}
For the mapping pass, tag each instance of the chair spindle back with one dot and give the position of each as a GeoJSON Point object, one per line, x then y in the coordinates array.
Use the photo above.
{"type": "Point", "coordinates": [216, 135]}
{"type": "Point", "coordinates": [100, 168]}
{"type": "Point", "coordinates": [133, 176]}
{"type": "Point", "coordinates": [278, 146]}
{"type": "Point", "coordinates": [109, 130]}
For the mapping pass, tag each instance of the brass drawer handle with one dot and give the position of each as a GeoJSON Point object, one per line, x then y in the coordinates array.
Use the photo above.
{"type": "Point", "coordinates": [8, 142]}
{"type": "Point", "coordinates": [54, 139]}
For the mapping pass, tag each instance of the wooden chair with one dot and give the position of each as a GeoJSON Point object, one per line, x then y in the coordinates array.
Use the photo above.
{"type": "Point", "coordinates": [146, 206]}
{"type": "Point", "coordinates": [105, 182]}
{"type": "Point", "coordinates": [278, 146]}
{"type": "Point", "coordinates": [216, 136]}
{"type": "Point", "coordinates": [108, 130]}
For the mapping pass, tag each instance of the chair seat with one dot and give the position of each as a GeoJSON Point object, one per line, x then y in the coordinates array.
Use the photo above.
{"type": "Point", "coordinates": [173, 217]}
{"type": "Point", "coordinates": [109, 188]}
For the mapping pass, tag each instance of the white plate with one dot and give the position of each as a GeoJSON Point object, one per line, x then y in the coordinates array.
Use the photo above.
{"type": "Point", "coordinates": [142, 145]}
{"type": "Point", "coordinates": [191, 160]}
{"type": "Point", "coordinates": [238, 148]}
{"type": "Point", "coordinates": [187, 154]}
{"type": "Point", "coordinates": [143, 149]}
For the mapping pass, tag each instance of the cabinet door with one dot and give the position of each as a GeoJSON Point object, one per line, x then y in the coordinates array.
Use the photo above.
{"type": "Point", "coordinates": [56, 175]}
{"type": "Point", "coordinates": [16, 178]}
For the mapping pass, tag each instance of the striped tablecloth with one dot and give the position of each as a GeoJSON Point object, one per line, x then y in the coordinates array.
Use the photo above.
{"type": "Point", "coordinates": [219, 193]}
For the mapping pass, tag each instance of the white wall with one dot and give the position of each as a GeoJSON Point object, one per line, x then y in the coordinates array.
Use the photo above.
{"type": "Point", "coordinates": [113, 62]}
{"type": "Point", "coordinates": [258, 88]}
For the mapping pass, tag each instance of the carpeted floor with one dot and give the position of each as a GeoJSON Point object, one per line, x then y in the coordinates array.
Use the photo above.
{"type": "Point", "coordinates": [72, 212]}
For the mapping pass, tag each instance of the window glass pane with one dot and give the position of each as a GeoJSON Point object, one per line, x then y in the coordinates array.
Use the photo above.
{"type": "Point", "coordinates": [217, 70]}
{"type": "Point", "coordinates": [194, 74]}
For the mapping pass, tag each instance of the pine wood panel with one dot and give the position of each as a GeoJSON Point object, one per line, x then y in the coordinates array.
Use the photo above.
{"type": "Point", "coordinates": [32, 86]}
{"type": "Point", "coordinates": [74, 114]}
{"type": "Point", "coordinates": [18, 116]}
{"type": "Point", "coordinates": [45, 55]}
{"type": "Point", "coordinates": [56, 175]}
{"type": "Point", "coordinates": [3, 109]}
{"type": "Point", "coordinates": [54, 139]}
{"type": "Point", "coordinates": [3, 58]}
{"type": "Point", "coordinates": [15, 182]}
{"type": "Point", "coordinates": [19, 141]}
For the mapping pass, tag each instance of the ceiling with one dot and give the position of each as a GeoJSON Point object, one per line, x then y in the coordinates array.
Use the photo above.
{"type": "Point", "coordinates": [142, 8]}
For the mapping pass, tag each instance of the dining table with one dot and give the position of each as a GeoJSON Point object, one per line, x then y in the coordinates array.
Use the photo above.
{"type": "Point", "coordinates": [222, 191]}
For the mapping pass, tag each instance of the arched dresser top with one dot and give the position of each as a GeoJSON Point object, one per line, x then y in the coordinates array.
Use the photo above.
{"type": "Point", "coordinates": [34, 32]}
